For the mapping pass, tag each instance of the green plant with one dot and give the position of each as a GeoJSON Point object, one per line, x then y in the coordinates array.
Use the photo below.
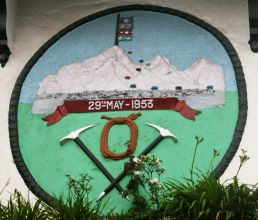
{"type": "Point", "coordinates": [206, 198]}
{"type": "Point", "coordinates": [198, 142]}
{"type": "Point", "coordinates": [7, 183]}
{"type": "Point", "coordinates": [77, 204]}
{"type": "Point", "coordinates": [200, 197]}
{"type": "Point", "coordinates": [145, 184]}
{"type": "Point", "coordinates": [19, 208]}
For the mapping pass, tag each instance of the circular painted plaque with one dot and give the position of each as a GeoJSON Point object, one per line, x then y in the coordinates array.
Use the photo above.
{"type": "Point", "coordinates": [187, 45]}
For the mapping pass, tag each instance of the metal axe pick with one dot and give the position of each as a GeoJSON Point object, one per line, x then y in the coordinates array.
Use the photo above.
{"type": "Point", "coordinates": [164, 133]}
{"type": "Point", "coordinates": [74, 135]}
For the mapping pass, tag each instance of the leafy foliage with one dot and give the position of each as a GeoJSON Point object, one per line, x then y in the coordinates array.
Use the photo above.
{"type": "Point", "coordinates": [207, 198]}
{"type": "Point", "coordinates": [19, 208]}
{"type": "Point", "coordinates": [144, 184]}
{"type": "Point", "coordinates": [200, 197]}
{"type": "Point", "coordinates": [77, 204]}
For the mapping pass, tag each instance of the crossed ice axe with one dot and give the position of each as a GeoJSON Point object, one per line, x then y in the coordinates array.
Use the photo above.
{"type": "Point", "coordinates": [114, 182]}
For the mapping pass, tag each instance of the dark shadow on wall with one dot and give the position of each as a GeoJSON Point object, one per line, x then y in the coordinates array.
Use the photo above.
{"type": "Point", "coordinates": [253, 22]}
{"type": "Point", "coordinates": [4, 49]}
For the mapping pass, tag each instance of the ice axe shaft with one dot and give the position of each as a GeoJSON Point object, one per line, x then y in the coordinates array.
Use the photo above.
{"type": "Point", "coordinates": [163, 134]}
{"type": "Point", "coordinates": [97, 163]}
{"type": "Point", "coordinates": [75, 137]}
{"type": "Point", "coordinates": [124, 173]}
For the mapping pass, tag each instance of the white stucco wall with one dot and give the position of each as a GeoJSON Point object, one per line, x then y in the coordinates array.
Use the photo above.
{"type": "Point", "coordinates": [11, 6]}
{"type": "Point", "coordinates": [32, 23]}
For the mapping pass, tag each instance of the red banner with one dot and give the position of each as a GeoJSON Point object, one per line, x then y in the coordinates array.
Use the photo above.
{"type": "Point", "coordinates": [77, 106]}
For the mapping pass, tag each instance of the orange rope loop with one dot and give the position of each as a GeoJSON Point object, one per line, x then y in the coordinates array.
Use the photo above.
{"type": "Point", "coordinates": [133, 136]}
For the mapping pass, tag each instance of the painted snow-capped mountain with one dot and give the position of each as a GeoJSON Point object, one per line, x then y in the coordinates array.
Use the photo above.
{"type": "Point", "coordinates": [112, 72]}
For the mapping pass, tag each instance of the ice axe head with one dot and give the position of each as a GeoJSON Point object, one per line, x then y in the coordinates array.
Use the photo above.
{"type": "Point", "coordinates": [164, 132]}
{"type": "Point", "coordinates": [74, 134]}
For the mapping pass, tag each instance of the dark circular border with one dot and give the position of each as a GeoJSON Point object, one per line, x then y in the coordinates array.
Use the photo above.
{"type": "Point", "coordinates": [241, 86]}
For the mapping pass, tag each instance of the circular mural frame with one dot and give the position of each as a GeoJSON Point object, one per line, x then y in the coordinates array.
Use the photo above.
{"type": "Point", "coordinates": [13, 109]}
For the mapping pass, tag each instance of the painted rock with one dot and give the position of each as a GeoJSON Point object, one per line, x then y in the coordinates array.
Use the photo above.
{"type": "Point", "coordinates": [154, 88]}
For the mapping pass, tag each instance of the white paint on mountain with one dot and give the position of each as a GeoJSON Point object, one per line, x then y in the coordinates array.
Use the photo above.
{"type": "Point", "coordinates": [107, 71]}
{"type": "Point", "coordinates": [113, 70]}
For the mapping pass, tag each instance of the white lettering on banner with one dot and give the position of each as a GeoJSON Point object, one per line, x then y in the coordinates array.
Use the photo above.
{"type": "Point", "coordinates": [143, 104]}
{"type": "Point", "coordinates": [116, 105]}
{"type": "Point", "coordinates": [91, 104]}
{"type": "Point", "coordinates": [109, 105]}
{"type": "Point", "coordinates": [120, 104]}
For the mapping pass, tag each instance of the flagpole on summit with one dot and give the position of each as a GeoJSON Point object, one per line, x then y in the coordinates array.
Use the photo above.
{"type": "Point", "coordinates": [117, 29]}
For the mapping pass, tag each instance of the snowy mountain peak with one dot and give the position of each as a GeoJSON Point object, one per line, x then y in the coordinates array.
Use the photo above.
{"type": "Point", "coordinates": [113, 70]}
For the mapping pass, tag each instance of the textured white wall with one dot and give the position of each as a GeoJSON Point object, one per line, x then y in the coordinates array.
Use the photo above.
{"type": "Point", "coordinates": [11, 18]}
{"type": "Point", "coordinates": [37, 21]}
